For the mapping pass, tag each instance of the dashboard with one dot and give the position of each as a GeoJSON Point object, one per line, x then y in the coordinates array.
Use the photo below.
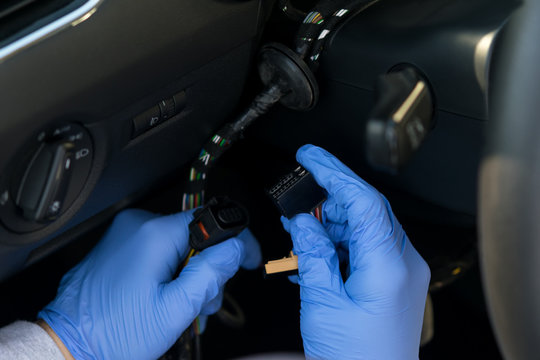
{"type": "Point", "coordinates": [104, 99]}
{"type": "Point", "coordinates": [108, 100]}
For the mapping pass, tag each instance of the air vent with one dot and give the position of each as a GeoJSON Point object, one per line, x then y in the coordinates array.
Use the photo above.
{"type": "Point", "coordinates": [19, 18]}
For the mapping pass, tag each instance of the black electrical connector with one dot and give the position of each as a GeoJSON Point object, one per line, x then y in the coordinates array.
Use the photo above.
{"type": "Point", "coordinates": [221, 219]}
{"type": "Point", "coordinates": [296, 193]}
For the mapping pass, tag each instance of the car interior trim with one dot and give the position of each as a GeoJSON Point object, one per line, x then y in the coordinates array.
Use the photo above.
{"type": "Point", "coordinates": [74, 18]}
{"type": "Point", "coordinates": [482, 56]}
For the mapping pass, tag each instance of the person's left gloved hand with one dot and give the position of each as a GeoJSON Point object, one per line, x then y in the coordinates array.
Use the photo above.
{"type": "Point", "coordinates": [121, 301]}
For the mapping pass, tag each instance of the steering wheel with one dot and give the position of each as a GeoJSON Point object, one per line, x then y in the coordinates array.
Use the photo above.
{"type": "Point", "coordinates": [509, 197]}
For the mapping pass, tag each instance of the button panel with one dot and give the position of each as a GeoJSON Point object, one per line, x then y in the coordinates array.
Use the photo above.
{"type": "Point", "coordinates": [163, 111]}
{"type": "Point", "coordinates": [46, 178]}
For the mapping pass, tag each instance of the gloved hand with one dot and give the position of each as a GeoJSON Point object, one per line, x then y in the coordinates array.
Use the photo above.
{"type": "Point", "coordinates": [377, 312]}
{"type": "Point", "coordinates": [121, 301]}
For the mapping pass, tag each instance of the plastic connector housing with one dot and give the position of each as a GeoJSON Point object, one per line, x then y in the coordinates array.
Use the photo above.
{"type": "Point", "coordinates": [296, 193]}
{"type": "Point", "coordinates": [219, 220]}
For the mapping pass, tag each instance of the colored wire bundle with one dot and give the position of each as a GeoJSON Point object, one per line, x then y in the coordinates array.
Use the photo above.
{"type": "Point", "coordinates": [337, 17]}
{"type": "Point", "coordinates": [314, 17]}
{"type": "Point", "coordinates": [210, 153]}
{"type": "Point", "coordinates": [220, 142]}
{"type": "Point", "coordinates": [196, 174]}
{"type": "Point", "coordinates": [321, 22]}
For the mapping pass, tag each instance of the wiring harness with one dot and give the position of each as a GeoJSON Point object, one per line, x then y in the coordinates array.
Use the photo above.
{"type": "Point", "coordinates": [321, 22]}
{"type": "Point", "coordinates": [288, 79]}
{"type": "Point", "coordinates": [220, 142]}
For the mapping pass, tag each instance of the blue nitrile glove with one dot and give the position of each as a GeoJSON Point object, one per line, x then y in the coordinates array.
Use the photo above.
{"type": "Point", "coordinates": [121, 301]}
{"type": "Point", "coordinates": [377, 312]}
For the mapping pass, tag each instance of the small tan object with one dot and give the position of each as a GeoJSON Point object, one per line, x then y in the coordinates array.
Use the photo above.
{"type": "Point", "coordinates": [286, 265]}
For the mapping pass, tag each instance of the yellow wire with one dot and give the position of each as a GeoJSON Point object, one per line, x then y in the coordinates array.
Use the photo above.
{"type": "Point", "coordinates": [191, 253]}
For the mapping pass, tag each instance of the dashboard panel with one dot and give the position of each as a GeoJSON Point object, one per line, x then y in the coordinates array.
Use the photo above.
{"type": "Point", "coordinates": [113, 101]}
{"type": "Point", "coordinates": [96, 111]}
{"type": "Point", "coordinates": [105, 101]}
{"type": "Point", "coordinates": [451, 43]}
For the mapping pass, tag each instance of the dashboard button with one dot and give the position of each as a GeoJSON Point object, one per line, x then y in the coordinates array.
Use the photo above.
{"type": "Point", "coordinates": [147, 120]}
{"type": "Point", "coordinates": [167, 108]}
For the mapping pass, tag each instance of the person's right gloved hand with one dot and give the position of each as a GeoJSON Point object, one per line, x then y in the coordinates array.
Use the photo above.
{"type": "Point", "coordinates": [377, 312]}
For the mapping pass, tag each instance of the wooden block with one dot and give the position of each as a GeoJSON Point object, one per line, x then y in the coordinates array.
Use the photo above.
{"type": "Point", "coordinates": [288, 265]}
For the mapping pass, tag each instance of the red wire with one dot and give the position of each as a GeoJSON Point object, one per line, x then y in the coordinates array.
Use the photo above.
{"type": "Point", "coordinates": [318, 213]}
